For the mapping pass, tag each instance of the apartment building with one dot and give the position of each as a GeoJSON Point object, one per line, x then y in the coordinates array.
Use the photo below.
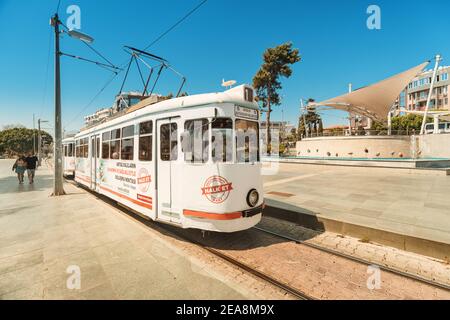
{"type": "Point", "coordinates": [416, 93]}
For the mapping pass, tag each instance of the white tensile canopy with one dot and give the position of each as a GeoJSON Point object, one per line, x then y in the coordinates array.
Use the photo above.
{"type": "Point", "coordinates": [376, 100]}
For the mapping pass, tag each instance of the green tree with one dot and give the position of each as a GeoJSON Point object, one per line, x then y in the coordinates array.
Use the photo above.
{"type": "Point", "coordinates": [408, 122]}
{"type": "Point", "coordinates": [12, 126]}
{"type": "Point", "coordinates": [379, 125]}
{"type": "Point", "coordinates": [19, 140]}
{"type": "Point", "coordinates": [277, 63]}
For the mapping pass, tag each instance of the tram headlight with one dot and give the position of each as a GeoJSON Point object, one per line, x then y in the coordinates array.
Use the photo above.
{"type": "Point", "coordinates": [252, 198]}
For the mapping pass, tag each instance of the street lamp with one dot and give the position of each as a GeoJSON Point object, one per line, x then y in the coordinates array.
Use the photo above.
{"type": "Point", "coordinates": [80, 36]}
{"type": "Point", "coordinates": [58, 188]}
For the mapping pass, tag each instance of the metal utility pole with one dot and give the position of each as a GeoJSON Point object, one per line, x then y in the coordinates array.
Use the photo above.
{"type": "Point", "coordinates": [433, 80]}
{"type": "Point", "coordinates": [58, 188]}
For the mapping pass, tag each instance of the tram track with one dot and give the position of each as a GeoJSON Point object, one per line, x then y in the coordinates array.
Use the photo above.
{"type": "Point", "coordinates": [298, 294]}
{"type": "Point", "coordinates": [247, 268]}
{"type": "Point", "coordinates": [356, 259]}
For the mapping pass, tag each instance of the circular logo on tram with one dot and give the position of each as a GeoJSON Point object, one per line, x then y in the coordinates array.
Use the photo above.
{"type": "Point", "coordinates": [143, 180]}
{"type": "Point", "coordinates": [216, 189]}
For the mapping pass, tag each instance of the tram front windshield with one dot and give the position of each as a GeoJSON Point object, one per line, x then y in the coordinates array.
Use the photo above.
{"type": "Point", "coordinates": [245, 133]}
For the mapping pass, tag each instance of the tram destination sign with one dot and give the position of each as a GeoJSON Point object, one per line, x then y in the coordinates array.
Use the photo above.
{"type": "Point", "coordinates": [247, 113]}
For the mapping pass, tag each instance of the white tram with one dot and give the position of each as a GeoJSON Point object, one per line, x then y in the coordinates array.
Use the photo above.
{"type": "Point", "coordinates": [192, 161]}
{"type": "Point", "coordinates": [69, 157]}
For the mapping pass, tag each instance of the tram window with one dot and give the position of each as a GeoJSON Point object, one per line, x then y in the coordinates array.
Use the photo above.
{"type": "Point", "coordinates": [222, 140]}
{"type": "Point", "coordinates": [197, 146]}
{"type": "Point", "coordinates": [128, 131]}
{"type": "Point", "coordinates": [97, 149]}
{"type": "Point", "coordinates": [105, 145]}
{"type": "Point", "coordinates": [126, 152]}
{"type": "Point", "coordinates": [65, 151]}
{"type": "Point", "coordinates": [77, 149]}
{"type": "Point", "coordinates": [70, 152]}
{"type": "Point", "coordinates": [169, 143]}
{"type": "Point", "coordinates": [115, 134]}
{"type": "Point", "coordinates": [114, 149]}
{"type": "Point", "coordinates": [247, 141]}
{"type": "Point", "coordinates": [106, 136]}
{"type": "Point", "coordinates": [145, 141]}
{"type": "Point", "coordinates": [146, 127]}
{"type": "Point", "coordinates": [80, 148]}
{"type": "Point", "coordinates": [86, 148]}
{"type": "Point", "coordinates": [92, 147]}
{"type": "Point", "coordinates": [114, 144]}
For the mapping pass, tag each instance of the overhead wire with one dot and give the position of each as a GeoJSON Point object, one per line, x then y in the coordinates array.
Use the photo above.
{"type": "Point", "coordinates": [178, 22]}
{"type": "Point", "coordinates": [92, 100]}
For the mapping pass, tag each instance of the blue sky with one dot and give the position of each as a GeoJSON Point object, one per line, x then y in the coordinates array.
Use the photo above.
{"type": "Point", "coordinates": [223, 39]}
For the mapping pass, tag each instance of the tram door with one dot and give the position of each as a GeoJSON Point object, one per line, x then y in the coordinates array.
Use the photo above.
{"type": "Point", "coordinates": [95, 155]}
{"type": "Point", "coordinates": [167, 153]}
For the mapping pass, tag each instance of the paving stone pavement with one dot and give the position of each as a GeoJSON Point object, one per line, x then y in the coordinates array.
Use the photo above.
{"type": "Point", "coordinates": [118, 257]}
{"type": "Point", "coordinates": [380, 198]}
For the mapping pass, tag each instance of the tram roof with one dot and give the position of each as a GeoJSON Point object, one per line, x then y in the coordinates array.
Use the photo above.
{"type": "Point", "coordinates": [234, 95]}
{"type": "Point", "coordinates": [68, 139]}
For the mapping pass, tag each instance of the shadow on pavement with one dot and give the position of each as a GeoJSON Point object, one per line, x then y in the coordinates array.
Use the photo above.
{"type": "Point", "coordinates": [287, 212]}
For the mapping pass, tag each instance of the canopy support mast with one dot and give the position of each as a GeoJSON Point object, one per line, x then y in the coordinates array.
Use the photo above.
{"type": "Point", "coordinates": [433, 80]}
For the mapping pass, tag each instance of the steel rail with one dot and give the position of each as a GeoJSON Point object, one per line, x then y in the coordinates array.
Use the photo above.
{"type": "Point", "coordinates": [359, 260]}
{"type": "Point", "coordinates": [265, 277]}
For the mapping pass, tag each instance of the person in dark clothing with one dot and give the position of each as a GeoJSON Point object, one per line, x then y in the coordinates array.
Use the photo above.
{"type": "Point", "coordinates": [31, 161]}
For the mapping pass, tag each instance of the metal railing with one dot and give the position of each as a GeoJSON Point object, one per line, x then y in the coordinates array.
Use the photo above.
{"type": "Point", "coordinates": [365, 132]}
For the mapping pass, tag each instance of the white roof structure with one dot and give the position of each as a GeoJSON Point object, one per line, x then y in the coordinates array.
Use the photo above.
{"type": "Point", "coordinates": [376, 100]}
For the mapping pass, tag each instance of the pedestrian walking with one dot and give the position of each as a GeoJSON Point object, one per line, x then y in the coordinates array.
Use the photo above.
{"type": "Point", "coordinates": [31, 161]}
{"type": "Point", "coordinates": [19, 167]}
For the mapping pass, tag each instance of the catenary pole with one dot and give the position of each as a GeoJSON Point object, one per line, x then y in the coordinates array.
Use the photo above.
{"type": "Point", "coordinates": [58, 188]}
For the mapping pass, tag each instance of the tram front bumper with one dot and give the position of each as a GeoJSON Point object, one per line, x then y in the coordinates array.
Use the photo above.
{"type": "Point", "coordinates": [252, 212]}
{"type": "Point", "coordinates": [224, 216]}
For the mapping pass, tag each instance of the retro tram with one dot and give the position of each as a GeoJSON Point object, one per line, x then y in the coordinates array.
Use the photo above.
{"type": "Point", "coordinates": [192, 161]}
{"type": "Point", "coordinates": [69, 157]}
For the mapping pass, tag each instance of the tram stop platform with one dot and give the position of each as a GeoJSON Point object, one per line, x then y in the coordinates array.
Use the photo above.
{"type": "Point", "coordinates": [49, 243]}
{"type": "Point", "coordinates": [381, 205]}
